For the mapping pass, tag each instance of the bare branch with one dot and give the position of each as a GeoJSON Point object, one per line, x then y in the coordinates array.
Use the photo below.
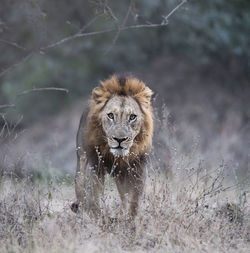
{"type": "Point", "coordinates": [34, 90]}
{"type": "Point", "coordinates": [174, 10]}
{"type": "Point", "coordinates": [127, 14]}
{"type": "Point", "coordinates": [69, 38]}
{"type": "Point", "coordinates": [17, 124]}
{"type": "Point", "coordinates": [142, 26]}
{"type": "Point", "coordinates": [7, 106]}
{"type": "Point", "coordinates": [5, 126]}
{"type": "Point", "coordinates": [88, 24]}
{"type": "Point", "coordinates": [14, 44]}
{"type": "Point", "coordinates": [42, 89]}
{"type": "Point", "coordinates": [77, 35]}
{"type": "Point", "coordinates": [80, 33]}
{"type": "Point", "coordinates": [111, 13]}
{"type": "Point", "coordinates": [119, 28]}
{"type": "Point", "coordinates": [24, 59]}
{"type": "Point", "coordinates": [113, 29]}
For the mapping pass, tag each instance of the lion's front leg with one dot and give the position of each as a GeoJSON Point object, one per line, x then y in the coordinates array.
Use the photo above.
{"type": "Point", "coordinates": [123, 192]}
{"type": "Point", "coordinates": [89, 185]}
{"type": "Point", "coordinates": [94, 188]}
{"type": "Point", "coordinates": [79, 178]}
{"type": "Point", "coordinates": [79, 182]}
{"type": "Point", "coordinates": [136, 192]}
{"type": "Point", "coordinates": [130, 189]}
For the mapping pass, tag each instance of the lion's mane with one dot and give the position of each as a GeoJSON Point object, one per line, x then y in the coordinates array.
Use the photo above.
{"type": "Point", "coordinates": [123, 86]}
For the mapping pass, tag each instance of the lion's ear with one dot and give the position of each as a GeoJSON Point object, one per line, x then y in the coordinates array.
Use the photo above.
{"type": "Point", "coordinates": [144, 97]}
{"type": "Point", "coordinates": [148, 94]}
{"type": "Point", "coordinates": [97, 94]}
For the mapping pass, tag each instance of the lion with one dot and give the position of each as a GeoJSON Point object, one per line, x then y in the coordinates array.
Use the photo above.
{"type": "Point", "coordinates": [117, 140]}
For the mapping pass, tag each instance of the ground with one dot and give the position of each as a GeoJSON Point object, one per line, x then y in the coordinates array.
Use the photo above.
{"type": "Point", "coordinates": [192, 216]}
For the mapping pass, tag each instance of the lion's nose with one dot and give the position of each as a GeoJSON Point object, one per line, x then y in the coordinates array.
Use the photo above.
{"type": "Point", "coordinates": [120, 140]}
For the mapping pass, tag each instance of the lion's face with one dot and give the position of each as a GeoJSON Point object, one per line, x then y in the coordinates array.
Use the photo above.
{"type": "Point", "coordinates": [121, 120]}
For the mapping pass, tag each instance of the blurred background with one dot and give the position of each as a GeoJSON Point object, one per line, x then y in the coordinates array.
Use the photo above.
{"type": "Point", "coordinates": [196, 60]}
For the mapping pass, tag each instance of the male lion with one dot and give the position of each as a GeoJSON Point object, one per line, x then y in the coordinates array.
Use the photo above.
{"type": "Point", "coordinates": [116, 140]}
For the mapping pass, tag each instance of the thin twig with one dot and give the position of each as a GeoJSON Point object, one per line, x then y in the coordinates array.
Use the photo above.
{"type": "Point", "coordinates": [33, 90]}
{"type": "Point", "coordinates": [79, 34]}
{"type": "Point", "coordinates": [5, 126]}
{"type": "Point", "coordinates": [69, 38]}
{"type": "Point", "coordinates": [122, 28]}
{"type": "Point", "coordinates": [119, 27]}
{"type": "Point", "coordinates": [11, 43]}
{"type": "Point", "coordinates": [22, 60]}
{"type": "Point", "coordinates": [127, 14]}
{"type": "Point", "coordinates": [17, 124]}
{"type": "Point", "coordinates": [111, 13]}
{"type": "Point", "coordinates": [142, 26]}
{"type": "Point", "coordinates": [42, 89]}
{"type": "Point", "coordinates": [7, 106]}
{"type": "Point", "coordinates": [174, 10]}
{"type": "Point", "coordinates": [88, 24]}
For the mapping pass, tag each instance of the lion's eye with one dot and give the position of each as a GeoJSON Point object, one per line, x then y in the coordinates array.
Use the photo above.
{"type": "Point", "coordinates": [132, 117]}
{"type": "Point", "coordinates": [111, 115]}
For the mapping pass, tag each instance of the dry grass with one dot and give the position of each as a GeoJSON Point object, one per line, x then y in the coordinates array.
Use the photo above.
{"type": "Point", "coordinates": [198, 216]}
{"type": "Point", "coordinates": [192, 207]}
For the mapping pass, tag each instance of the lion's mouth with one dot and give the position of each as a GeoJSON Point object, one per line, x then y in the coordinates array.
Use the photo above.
{"type": "Point", "coordinates": [119, 151]}
{"type": "Point", "coordinates": [118, 147]}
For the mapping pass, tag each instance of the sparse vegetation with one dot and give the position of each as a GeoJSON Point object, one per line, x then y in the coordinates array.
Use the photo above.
{"type": "Point", "coordinates": [170, 219]}
{"type": "Point", "coordinates": [197, 191]}
{"type": "Point", "coordinates": [190, 209]}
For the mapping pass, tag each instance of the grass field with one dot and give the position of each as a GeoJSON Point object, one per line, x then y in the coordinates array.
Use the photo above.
{"type": "Point", "coordinates": [194, 214]}
{"type": "Point", "coordinates": [192, 201]}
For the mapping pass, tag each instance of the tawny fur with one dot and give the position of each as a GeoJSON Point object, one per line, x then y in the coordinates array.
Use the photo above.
{"type": "Point", "coordinates": [100, 95]}
{"type": "Point", "coordinates": [91, 144]}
